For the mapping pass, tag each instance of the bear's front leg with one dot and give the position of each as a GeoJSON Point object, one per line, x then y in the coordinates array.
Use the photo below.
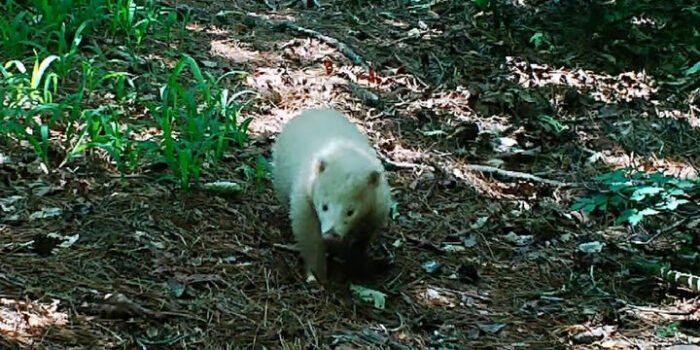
{"type": "Point", "coordinates": [307, 233]}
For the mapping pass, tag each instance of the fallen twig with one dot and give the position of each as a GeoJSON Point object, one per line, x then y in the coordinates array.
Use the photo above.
{"type": "Point", "coordinates": [425, 244]}
{"type": "Point", "coordinates": [660, 311]}
{"type": "Point", "coordinates": [676, 278]}
{"type": "Point", "coordinates": [291, 248]}
{"type": "Point", "coordinates": [270, 6]}
{"type": "Point", "coordinates": [392, 165]}
{"type": "Point", "coordinates": [342, 47]}
{"type": "Point", "coordinates": [306, 3]}
{"type": "Point", "coordinates": [518, 175]}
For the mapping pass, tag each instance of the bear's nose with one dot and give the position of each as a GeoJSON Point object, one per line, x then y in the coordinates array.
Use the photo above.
{"type": "Point", "coordinates": [332, 240]}
{"type": "Point", "coordinates": [330, 233]}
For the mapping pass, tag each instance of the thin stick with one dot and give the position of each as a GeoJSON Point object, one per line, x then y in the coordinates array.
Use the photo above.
{"type": "Point", "coordinates": [286, 247]}
{"type": "Point", "coordinates": [518, 175]}
{"type": "Point", "coordinates": [342, 47]}
{"type": "Point", "coordinates": [391, 165]}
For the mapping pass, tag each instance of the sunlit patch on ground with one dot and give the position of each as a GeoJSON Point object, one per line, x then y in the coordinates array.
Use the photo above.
{"type": "Point", "coordinates": [692, 115]}
{"type": "Point", "coordinates": [195, 27]}
{"type": "Point", "coordinates": [602, 87]}
{"type": "Point", "coordinates": [25, 322]}
{"type": "Point", "coordinates": [238, 52]}
{"type": "Point", "coordinates": [620, 160]}
{"type": "Point", "coordinates": [288, 91]}
{"type": "Point", "coordinates": [455, 102]}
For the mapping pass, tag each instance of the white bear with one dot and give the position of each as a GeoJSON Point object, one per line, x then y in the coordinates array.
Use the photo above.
{"type": "Point", "coordinates": [334, 186]}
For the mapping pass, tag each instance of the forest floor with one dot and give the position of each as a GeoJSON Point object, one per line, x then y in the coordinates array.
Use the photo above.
{"type": "Point", "coordinates": [478, 258]}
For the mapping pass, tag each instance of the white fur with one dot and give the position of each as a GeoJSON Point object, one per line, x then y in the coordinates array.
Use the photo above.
{"type": "Point", "coordinates": [328, 176]}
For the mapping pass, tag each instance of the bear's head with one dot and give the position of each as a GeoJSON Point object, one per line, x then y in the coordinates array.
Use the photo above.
{"type": "Point", "coordinates": [344, 191]}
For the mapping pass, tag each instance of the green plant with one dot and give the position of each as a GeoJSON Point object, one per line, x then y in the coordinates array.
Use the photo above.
{"type": "Point", "coordinates": [669, 330]}
{"type": "Point", "coordinates": [482, 4]}
{"type": "Point", "coordinates": [541, 40]}
{"type": "Point", "coordinates": [67, 53]}
{"type": "Point", "coordinates": [47, 26]}
{"type": "Point", "coordinates": [635, 195]}
{"type": "Point", "coordinates": [197, 123]}
{"type": "Point", "coordinates": [257, 174]}
{"type": "Point", "coordinates": [28, 100]}
{"type": "Point", "coordinates": [104, 131]}
{"type": "Point", "coordinates": [75, 94]}
{"type": "Point", "coordinates": [132, 20]}
{"type": "Point", "coordinates": [15, 34]}
{"type": "Point", "coordinates": [552, 125]}
{"type": "Point", "coordinates": [25, 87]}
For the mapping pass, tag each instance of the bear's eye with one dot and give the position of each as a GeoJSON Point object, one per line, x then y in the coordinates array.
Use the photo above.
{"type": "Point", "coordinates": [350, 212]}
{"type": "Point", "coordinates": [325, 207]}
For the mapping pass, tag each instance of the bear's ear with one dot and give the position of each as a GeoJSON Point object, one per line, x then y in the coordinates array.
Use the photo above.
{"type": "Point", "coordinates": [320, 166]}
{"type": "Point", "coordinates": [373, 178]}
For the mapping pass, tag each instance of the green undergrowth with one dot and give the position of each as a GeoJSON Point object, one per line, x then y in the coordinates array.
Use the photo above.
{"type": "Point", "coordinates": [632, 196]}
{"type": "Point", "coordinates": [88, 78]}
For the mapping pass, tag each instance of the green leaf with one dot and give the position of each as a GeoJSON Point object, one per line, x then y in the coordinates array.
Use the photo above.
{"type": "Point", "coordinates": [40, 68]}
{"type": "Point", "coordinates": [433, 132]}
{"type": "Point", "coordinates": [672, 204]}
{"type": "Point", "coordinates": [615, 201]}
{"type": "Point", "coordinates": [648, 211]}
{"type": "Point", "coordinates": [538, 39]}
{"type": "Point", "coordinates": [635, 219]}
{"type": "Point", "coordinates": [600, 199]}
{"type": "Point", "coordinates": [369, 295]}
{"type": "Point", "coordinates": [642, 192]}
{"type": "Point", "coordinates": [685, 184]}
{"type": "Point", "coordinates": [431, 266]}
{"type": "Point", "coordinates": [589, 208]}
{"type": "Point", "coordinates": [614, 176]}
{"type": "Point", "coordinates": [694, 69]}
{"type": "Point", "coordinates": [481, 3]}
{"type": "Point", "coordinates": [491, 328]}
{"type": "Point", "coordinates": [668, 330]}
{"type": "Point", "coordinates": [480, 222]}
{"type": "Point", "coordinates": [676, 192]}
{"type": "Point", "coordinates": [175, 288]}
{"type": "Point", "coordinates": [640, 175]}
{"type": "Point", "coordinates": [625, 215]}
{"type": "Point", "coordinates": [394, 210]}
{"type": "Point", "coordinates": [660, 178]}
{"type": "Point", "coordinates": [618, 187]}
{"type": "Point", "coordinates": [580, 203]}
